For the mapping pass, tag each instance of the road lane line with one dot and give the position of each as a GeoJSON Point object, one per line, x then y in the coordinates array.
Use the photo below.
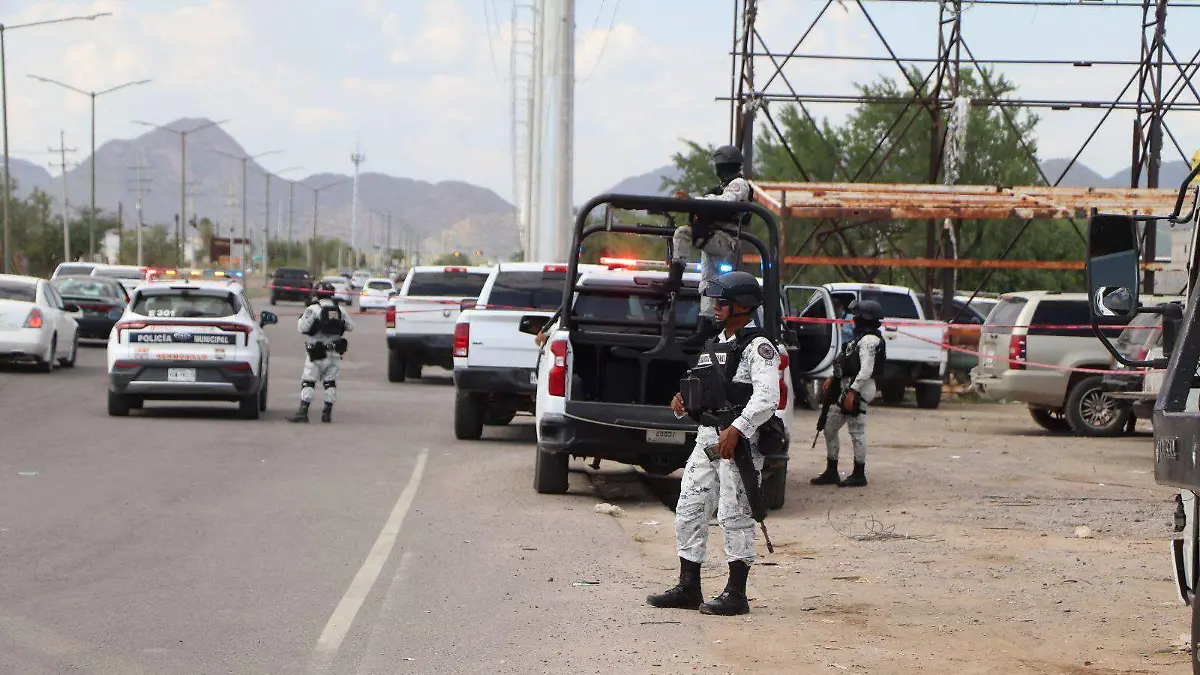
{"type": "Point", "coordinates": [343, 616]}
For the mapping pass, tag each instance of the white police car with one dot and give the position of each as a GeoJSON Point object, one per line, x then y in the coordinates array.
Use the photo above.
{"type": "Point", "coordinates": [189, 340]}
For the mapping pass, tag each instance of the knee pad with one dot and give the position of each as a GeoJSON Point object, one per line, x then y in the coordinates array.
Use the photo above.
{"type": "Point", "coordinates": [330, 384]}
{"type": "Point", "coordinates": [307, 384]}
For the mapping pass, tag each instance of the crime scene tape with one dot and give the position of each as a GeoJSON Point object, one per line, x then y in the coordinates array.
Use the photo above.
{"type": "Point", "coordinates": [909, 322]}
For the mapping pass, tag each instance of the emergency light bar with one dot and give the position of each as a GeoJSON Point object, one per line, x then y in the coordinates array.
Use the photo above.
{"type": "Point", "coordinates": [643, 265]}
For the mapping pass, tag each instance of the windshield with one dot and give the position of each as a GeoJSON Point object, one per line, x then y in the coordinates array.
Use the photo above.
{"type": "Point", "coordinates": [117, 273]}
{"type": "Point", "coordinates": [186, 304]}
{"type": "Point", "coordinates": [380, 285]}
{"type": "Point", "coordinates": [87, 288]}
{"type": "Point", "coordinates": [1003, 317]}
{"type": "Point", "coordinates": [447, 284]}
{"type": "Point", "coordinates": [528, 290]}
{"type": "Point", "coordinates": [16, 290]}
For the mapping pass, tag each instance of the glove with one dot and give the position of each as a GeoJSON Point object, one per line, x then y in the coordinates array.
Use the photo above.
{"type": "Point", "coordinates": [849, 403]}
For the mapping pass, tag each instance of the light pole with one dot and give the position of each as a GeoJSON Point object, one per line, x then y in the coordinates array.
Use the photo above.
{"type": "Point", "coordinates": [312, 246]}
{"type": "Point", "coordinates": [244, 159]}
{"type": "Point", "coordinates": [6, 254]}
{"type": "Point", "coordinates": [179, 229]}
{"type": "Point", "coordinates": [267, 220]}
{"type": "Point", "coordinates": [92, 95]}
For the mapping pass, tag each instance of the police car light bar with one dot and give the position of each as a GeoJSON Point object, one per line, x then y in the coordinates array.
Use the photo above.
{"type": "Point", "coordinates": [642, 265]}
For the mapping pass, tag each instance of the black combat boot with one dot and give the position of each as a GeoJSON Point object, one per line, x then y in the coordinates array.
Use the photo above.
{"type": "Point", "coordinates": [300, 415]}
{"type": "Point", "coordinates": [830, 477]}
{"type": "Point", "coordinates": [327, 413]}
{"type": "Point", "coordinates": [687, 594]}
{"type": "Point", "coordinates": [732, 601]}
{"type": "Point", "coordinates": [706, 329]}
{"type": "Point", "coordinates": [858, 478]}
{"type": "Point", "coordinates": [674, 280]}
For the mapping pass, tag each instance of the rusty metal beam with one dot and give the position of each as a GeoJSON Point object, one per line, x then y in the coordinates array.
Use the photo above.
{"type": "Point", "coordinates": [940, 263]}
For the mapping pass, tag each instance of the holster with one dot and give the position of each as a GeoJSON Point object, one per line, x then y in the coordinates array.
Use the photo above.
{"type": "Point", "coordinates": [317, 351]}
{"type": "Point", "coordinates": [773, 439]}
{"type": "Point", "coordinates": [340, 345]}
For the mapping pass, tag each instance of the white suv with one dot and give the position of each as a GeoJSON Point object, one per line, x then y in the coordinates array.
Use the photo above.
{"type": "Point", "coordinates": [192, 341]}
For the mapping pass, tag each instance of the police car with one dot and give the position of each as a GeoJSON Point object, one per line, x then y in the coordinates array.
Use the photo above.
{"type": "Point", "coordinates": [189, 340]}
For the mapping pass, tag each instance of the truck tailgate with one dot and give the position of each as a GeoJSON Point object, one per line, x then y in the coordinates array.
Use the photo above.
{"type": "Point", "coordinates": [915, 341]}
{"type": "Point", "coordinates": [426, 316]}
{"type": "Point", "coordinates": [496, 341]}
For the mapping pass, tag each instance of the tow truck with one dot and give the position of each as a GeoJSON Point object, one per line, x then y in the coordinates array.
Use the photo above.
{"type": "Point", "coordinates": [1112, 281]}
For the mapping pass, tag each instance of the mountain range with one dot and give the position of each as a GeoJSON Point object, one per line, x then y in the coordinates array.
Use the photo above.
{"type": "Point", "coordinates": [473, 218]}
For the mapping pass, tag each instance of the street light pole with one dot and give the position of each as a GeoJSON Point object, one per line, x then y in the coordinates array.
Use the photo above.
{"type": "Point", "coordinates": [267, 220]}
{"type": "Point", "coordinates": [312, 246]}
{"type": "Point", "coordinates": [6, 254]}
{"type": "Point", "coordinates": [244, 159]}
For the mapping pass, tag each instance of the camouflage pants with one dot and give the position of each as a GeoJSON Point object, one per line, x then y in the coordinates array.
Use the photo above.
{"type": "Point", "coordinates": [324, 371]}
{"type": "Point", "coordinates": [858, 434]}
{"type": "Point", "coordinates": [708, 484]}
{"type": "Point", "coordinates": [721, 248]}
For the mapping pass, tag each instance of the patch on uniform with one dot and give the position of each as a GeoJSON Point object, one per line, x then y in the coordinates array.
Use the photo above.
{"type": "Point", "coordinates": [766, 351]}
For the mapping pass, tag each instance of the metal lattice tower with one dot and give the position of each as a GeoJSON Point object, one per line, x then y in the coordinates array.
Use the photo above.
{"type": "Point", "coordinates": [358, 158]}
{"type": "Point", "coordinates": [523, 68]}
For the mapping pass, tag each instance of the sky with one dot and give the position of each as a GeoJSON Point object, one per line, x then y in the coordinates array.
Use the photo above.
{"type": "Point", "coordinates": [421, 85]}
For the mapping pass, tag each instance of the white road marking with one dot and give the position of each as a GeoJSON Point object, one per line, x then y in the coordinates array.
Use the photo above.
{"type": "Point", "coordinates": [343, 616]}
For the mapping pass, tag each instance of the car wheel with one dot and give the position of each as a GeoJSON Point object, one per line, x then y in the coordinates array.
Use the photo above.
{"type": "Point", "coordinates": [248, 407]}
{"type": "Point", "coordinates": [774, 487]}
{"type": "Point", "coordinates": [550, 472]}
{"type": "Point", "coordinates": [396, 365]}
{"type": "Point", "coordinates": [262, 395]}
{"type": "Point", "coordinates": [893, 393]}
{"type": "Point", "coordinates": [468, 416]}
{"type": "Point", "coordinates": [273, 299]}
{"type": "Point", "coordinates": [929, 396]}
{"type": "Point", "coordinates": [118, 405]}
{"type": "Point", "coordinates": [1050, 420]}
{"type": "Point", "coordinates": [812, 395]}
{"type": "Point", "coordinates": [1092, 412]}
{"type": "Point", "coordinates": [46, 363]}
{"type": "Point", "coordinates": [412, 369]}
{"type": "Point", "coordinates": [69, 362]}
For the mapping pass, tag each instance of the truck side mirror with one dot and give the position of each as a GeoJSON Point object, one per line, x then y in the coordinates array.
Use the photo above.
{"type": "Point", "coordinates": [1112, 266]}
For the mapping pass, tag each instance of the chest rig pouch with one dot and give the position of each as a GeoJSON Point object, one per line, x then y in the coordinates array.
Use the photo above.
{"type": "Point", "coordinates": [329, 321]}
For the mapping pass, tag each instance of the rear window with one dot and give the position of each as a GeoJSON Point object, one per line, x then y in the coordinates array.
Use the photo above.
{"type": "Point", "coordinates": [1004, 316]}
{"type": "Point", "coordinates": [528, 290]}
{"type": "Point", "coordinates": [186, 304]}
{"type": "Point", "coordinates": [622, 309]}
{"type": "Point", "coordinates": [117, 273]}
{"type": "Point", "coordinates": [286, 273]}
{"type": "Point", "coordinates": [894, 305]}
{"type": "Point", "coordinates": [1069, 318]}
{"type": "Point", "coordinates": [379, 285]}
{"type": "Point", "coordinates": [64, 270]}
{"type": "Point", "coordinates": [447, 284]}
{"type": "Point", "coordinates": [86, 288]}
{"type": "Point", "coordinates": [15, 290]}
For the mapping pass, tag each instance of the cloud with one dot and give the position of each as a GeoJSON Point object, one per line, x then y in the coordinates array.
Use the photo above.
{"type": "Point", "coordinates": [441, 36]}
{"type": "Point", "coordinates": [317, 118]}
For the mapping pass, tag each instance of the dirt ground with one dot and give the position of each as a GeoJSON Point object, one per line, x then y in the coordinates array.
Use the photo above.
{"type": "Point", "coordinates": [961, 556]}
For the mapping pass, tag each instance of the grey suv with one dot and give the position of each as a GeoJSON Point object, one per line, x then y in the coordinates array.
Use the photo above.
{"type": "Point", "coordinates": [1036, 347]}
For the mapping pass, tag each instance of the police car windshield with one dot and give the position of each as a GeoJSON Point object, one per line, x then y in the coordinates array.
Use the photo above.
{"type": "Point", "coordinates": [447, 284]}
{"type": "Point", "coordinates": [186, 303]}
{"type": "Point", "coordinates": [528, 290]}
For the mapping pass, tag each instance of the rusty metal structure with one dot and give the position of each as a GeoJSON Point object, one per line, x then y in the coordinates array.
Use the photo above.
{"type": "Point", "coordinates": [759, 78]}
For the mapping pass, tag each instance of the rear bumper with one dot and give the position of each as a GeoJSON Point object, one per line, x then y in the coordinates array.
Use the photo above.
{"type": "Point", "coordinates": [431, 349]}
{"type": "Point", "coordinates": [95, 327]}
{"type": "Point", "coordinates": [559, 434]}
{"type": "Point", "coordinates": [372, 302]}
{"type": "Point", "coordinates": [517, 381]}
{"type": "Point", "coordinates": [292, 293]}
{"type": "Point", "coordinates": [214, 381]}
{"type": "Point", "coordinates": [23, 343]}
{"type": "Point", "coordinates": [1046, 389]}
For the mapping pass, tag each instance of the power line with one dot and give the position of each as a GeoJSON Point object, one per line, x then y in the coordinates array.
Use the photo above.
{"type": "Point", "coordinates": [612, 22]}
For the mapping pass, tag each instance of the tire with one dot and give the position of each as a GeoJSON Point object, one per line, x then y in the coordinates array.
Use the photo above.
{"type": "Point", "coordinates": [118, 405]}
{"type": "Point", "coordinates": [69, 362]}
{"type": "Point", "coordinates": [412, 369]}
{"type": "Point", "coordinates": [929, 396]}
{"type": "Point", "coordinates": [273, 299]}
{"type": "Point", "coordinates": [893, 393]}
{"type": "Point", "coordinates": [812, 395]}
{"type": "Point", "coordinates": [468, 416]}
{"type": "Point", "coordinates": [396, 365]}
{"type": "Point", "coordinates": [1050, 420]}
{"type": "Point", "coordinates": [262, 395]}
{"type": "Point", "coordinates": [248, 407]}
{"type": "Point", "coordinates": [774, 488]}
{"type": "Point", "coordinates": [46, 364]}
{"type": "Point", "coordinates": [1090, 411]}
{"type": "Point", "coordinates": [550, 472]}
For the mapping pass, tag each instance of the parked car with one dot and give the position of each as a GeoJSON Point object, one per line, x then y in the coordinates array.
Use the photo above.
{"type": "Point", "coordinates": [95, 296]}
{"type": "Point", "coordinates": [291, 283]}
{"type": "Point", "coordinates": [375, 293]}
{"type": "Point", "coordinates": [1037, 347]}
{"type": "Point", "coordinates": [36, 324]}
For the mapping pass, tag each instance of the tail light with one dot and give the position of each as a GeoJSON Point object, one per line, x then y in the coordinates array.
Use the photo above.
{"type": "Point", "coordinates": [554, 268]}
{"type": "Point", "coordinates": [363, 292]}
{"type": "Point", "coordinates": [129, 325]}
{"type": "Point", "coordinates": [462, 339]}
{"type": "Point", "coordinates": [123, 365]}
{"type": "Point", "coordinates": [783, 390]}
{"type": "Point", "coordinates": [454, 270]}
{"type": "Point", "coordinates": [1016, 352]}
{"type": "Point", "coordinates": [389, 316]}
{"type": "Point", "coordinates": [558, 370]}
{"type": "Point", "coordinates": [240, 365]}
{"type": "Point", "coordinates": [34, 320]}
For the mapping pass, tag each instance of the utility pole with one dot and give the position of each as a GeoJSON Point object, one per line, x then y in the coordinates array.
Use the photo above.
{"type": "Point", "coordinates": [291, 217]}
{"type": "Point", "coordinates": [555, 249]}
{"type": "Point", "coordinates": [358, 158]}
{"type": "Point", "coordinates": [62, 151]}
{"type": "Point", "coordinates": [140, 182]}
{"type": "Point", "coordinates": [541, 42]}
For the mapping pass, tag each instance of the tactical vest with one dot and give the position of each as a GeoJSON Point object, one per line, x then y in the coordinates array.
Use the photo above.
{"type": "Point", "coordinates": [709, 386]}
{"type": "Point", "coordinates": [329, 322]}
{"type": "Point", "coordinates": [851, 363]}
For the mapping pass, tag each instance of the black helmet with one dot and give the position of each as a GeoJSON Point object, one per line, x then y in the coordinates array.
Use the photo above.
{"type": "Point", "coordinates": [868, 310]}
{"type": "Point", "coordinates": [324, 289]}
{"type": "Point", "coordinates": [740, 288]}
{"type": "Point", "coordinates": [727, 154]}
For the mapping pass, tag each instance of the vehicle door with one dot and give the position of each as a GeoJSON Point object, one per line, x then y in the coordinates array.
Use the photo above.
{"type": "Point", "coordinates": [57, 316]}
{"type": "Point", "coordinates": [810, 315]}
{"type": "Point", "coordinates": [257, 333]}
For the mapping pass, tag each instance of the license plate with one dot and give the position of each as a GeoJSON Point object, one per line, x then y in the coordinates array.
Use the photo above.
{"type": "Point", "coordinates": [181, 374]}
{"type": "Point", "coordinates": [663, 436]}
{"type": "Point", "coordinates": [533, 377]}
{"type": "Point", "coordinates": [988, 357]}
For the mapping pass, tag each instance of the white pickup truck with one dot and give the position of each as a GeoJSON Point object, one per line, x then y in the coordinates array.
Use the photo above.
{"type": "Point", "coordinates": [915, 355]}
{"type": "Point", "coordinates": [420, 319]}
{"type": "Point", "coordinates": [495, 364]}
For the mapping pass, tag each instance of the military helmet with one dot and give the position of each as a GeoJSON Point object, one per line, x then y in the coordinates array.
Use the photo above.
{"type": "Point", "coordinates": [727, 154]}
{"type": "Point", "coordinates": [739, 288]}
{"type": "Point", "coordinates": [868, 310]}
{"type": "Point", "coordinates": [325, 289]}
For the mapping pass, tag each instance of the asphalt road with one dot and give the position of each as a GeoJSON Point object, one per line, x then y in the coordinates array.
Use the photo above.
{"type": "Point", "coordinates": [184, 540]}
